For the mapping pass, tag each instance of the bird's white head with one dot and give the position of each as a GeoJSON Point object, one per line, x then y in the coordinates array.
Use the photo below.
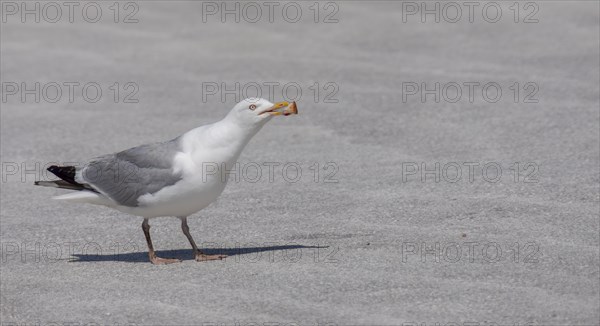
{"type": "Point", "coordinates": [255, 111]}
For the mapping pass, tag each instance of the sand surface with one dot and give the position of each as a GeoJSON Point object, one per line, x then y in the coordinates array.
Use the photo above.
{"type": "Point", "coordinates": [379, 246]}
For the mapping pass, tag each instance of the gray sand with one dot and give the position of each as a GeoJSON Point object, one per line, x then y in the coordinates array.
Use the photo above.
{"type": "Point", "coordinates": [535, 256]}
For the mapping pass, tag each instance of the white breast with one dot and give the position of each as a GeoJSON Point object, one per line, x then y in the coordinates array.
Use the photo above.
{"type": "Point", "coordinates": [201, 164]}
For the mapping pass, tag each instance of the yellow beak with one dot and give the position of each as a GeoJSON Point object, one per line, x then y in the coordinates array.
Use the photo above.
{"type": "Point", "coordinates": [289, 108]}
{"type": "Point", "coordinates": [273, 110]}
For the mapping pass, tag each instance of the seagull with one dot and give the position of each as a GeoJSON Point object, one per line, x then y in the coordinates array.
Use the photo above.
{"type": "Point", "coordinates": [176, 178]}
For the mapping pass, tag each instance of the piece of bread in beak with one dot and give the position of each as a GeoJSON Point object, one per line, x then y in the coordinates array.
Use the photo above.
{"type": "Point", "coordinates": [291, 109]}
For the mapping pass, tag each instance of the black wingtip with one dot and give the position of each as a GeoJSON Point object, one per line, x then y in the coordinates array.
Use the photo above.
{"type": "Point", "coordinates": [66, 173]}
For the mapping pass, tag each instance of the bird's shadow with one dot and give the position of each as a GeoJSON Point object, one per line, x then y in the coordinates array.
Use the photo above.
{"type": "Point", "coordinates": [184, 254]}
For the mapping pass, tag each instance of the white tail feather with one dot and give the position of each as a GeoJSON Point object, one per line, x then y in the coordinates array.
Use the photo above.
{"type": "Point", "coordinates": [85, 197]}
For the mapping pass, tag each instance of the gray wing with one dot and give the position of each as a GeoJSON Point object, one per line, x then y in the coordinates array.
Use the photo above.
{"type": "Point", "coordinates": [127, 175]}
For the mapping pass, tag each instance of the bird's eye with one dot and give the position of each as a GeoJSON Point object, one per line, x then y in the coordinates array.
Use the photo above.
{"type": "Point", "coordinates": [252, 107]}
